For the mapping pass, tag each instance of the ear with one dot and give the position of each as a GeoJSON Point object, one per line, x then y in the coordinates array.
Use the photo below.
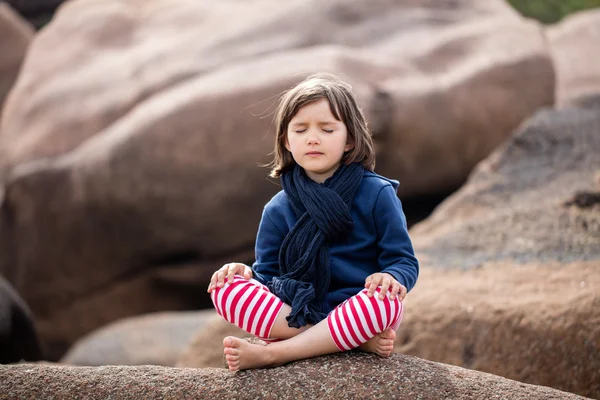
{"type": "Point", "coordinates": [287, 144]}
{"type": "Point", "coordinates": [349, 146]}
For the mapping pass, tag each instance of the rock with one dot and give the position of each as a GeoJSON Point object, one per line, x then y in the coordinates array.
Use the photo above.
{"type": "Point", "coordinates": [535, 323]}
{"type": "Point", "coordinates": [206, 347]}
{"type": "Point", "coordinates": [418, 67]}
{"type": "Point", "coordinates": [341, 376]}
{"type": "Point", "coordinates": [516, 205]}
{"type": "Point", "coordinates": [511, 262]}
{"type": "Point", "coordinates": [126, 190]}
{"type": "Point", "coordinates": [18, 335]}
{"type": "Point", "coordinates": [15, 35]}
{"type": "Point", "coordinates": [152, 339]}
{"type": "Point", "coordinates": [574, 48]}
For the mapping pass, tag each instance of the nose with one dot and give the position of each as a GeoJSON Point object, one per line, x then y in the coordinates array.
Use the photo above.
{"type": "Point", "coordinates": [312, 138]}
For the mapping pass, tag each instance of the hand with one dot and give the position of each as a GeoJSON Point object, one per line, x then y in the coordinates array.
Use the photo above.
{"type": "Point", "coordinates": [386, 281]}
{"type": "Point", "coordinates": [229, 271]}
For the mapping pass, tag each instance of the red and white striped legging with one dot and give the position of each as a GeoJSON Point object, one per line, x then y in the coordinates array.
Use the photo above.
{"type": "Point", "coordinates": [252, 307]}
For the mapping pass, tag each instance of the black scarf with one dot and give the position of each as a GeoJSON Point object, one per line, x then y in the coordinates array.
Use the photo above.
{"type": "Point", "coordinates": [323, 212]}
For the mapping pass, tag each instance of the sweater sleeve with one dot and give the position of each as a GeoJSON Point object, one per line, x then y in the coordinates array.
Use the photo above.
{"type": "Point", "coordinates": [396, 255]}
{"type": "Point", "coordinates": [268, 242]}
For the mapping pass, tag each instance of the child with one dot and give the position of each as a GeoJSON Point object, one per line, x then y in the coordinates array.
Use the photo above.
{"type": "Point", "coordinates": [333, 257]}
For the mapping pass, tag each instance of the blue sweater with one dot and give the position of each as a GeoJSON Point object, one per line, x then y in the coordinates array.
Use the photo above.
{"type": "Point", "coordinates": [379, 241]}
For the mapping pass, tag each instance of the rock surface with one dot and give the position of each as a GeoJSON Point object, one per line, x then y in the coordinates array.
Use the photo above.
{"type": "Point", "coordinates": [15, 35]}
{"type": "Point", "coordinates": [526, 202]}
{"type": "Point", "coordinates": [345, 376]}
{"type": "Point", "coordinates": [535, 323]}
{"type": "Point", "coordinates": [511, 262]}
{"type": "Point", "coordinates": [130, 159]}
{"type": "Point", "coordinates": [152, 339]}
{"type": "Point", "coordinates": [575, 48]}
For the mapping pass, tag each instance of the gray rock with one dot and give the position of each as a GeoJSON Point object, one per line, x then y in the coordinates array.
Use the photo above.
{"type": "Point", "coordinates": [520, 203]}
{"type": "Point", "coordinates": [511, 262]}
{"type": "Point", "coordinates": [341, 376]}
{"type": "Point", "coordinates": [151, 339]}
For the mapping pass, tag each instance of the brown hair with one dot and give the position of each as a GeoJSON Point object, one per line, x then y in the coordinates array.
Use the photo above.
{"type": "Point", "coordinates": [343, 107]}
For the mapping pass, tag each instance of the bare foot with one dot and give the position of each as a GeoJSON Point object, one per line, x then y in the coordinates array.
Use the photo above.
{"type": "Point", "coordinates": [242, 355]}
{"type": "Point", "coordinates": [382, 344]}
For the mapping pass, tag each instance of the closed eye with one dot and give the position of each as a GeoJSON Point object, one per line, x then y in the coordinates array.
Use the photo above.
{"type": "Point", "coordinates": [328, 131]}
{"type": "Point", "coordinates": [300, 130]}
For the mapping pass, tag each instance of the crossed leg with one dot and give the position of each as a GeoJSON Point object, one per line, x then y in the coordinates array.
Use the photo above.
{"type": "Point", "coordinates": [368, 323]}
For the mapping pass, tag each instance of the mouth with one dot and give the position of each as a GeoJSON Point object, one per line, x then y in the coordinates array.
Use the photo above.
{"type": "Point", "coordinates": [314, 153]}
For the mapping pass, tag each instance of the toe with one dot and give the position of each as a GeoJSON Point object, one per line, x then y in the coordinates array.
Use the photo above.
{"type": "Point", "coordinates": [231, 351]}
{"type": "Point", "coordinates": [233, 367]}
{"type": "Point", "coordinates": [231, 341]}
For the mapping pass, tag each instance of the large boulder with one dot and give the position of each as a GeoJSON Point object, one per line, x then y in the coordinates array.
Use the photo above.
{"type": "Point", "coordinates": [341, 376]}
{"type": "Point", "coordinates": [151, 339]}
{"type": "Point", "coordinates": [18, 334]}
{"type": "Point", "coordinates": [15, 35]}
{"type": "Point", "coordinates": [130, 156]}
{"type": "Point", "coordinates": [537, 322]}
{"type": "Point", "coordinates": [534, 199]}
{"type": "Point", "coordinates": [574, 44]}
{"type": "Point", "coordinates": [511, 262]}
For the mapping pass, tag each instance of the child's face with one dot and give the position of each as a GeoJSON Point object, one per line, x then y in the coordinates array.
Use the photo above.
{"type": "Point", "coordinates": [317, 140]}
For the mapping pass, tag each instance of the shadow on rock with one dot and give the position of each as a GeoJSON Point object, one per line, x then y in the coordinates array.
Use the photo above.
{"type": "Point", "coordinates": [18, 336]}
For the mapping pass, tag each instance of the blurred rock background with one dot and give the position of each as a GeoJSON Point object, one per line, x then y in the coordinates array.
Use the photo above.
{"type": "Point", "coordinates": [131, 136]}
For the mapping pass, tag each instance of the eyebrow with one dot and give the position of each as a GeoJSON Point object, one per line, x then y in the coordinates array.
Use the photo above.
{"type": "Point", "coordinates": [319, 123]}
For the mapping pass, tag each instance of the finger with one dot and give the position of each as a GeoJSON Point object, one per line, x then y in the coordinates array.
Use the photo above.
{"type": "Point", "coordinates": [221, 275]}
{"type": "Point", "coordinates": [384, 288]}
{"type": "Point", "coordinates": [402, 293]}
{"type": "Point", "coordinates": [213, 281]}
{"type": "Point", "coordinates": [247, 272]}
{"type": "Point", "coordinates": [395, 288]}
{"type": "Point", "coordinates": [374, 285]}
{"type": "Point", "coordinates": [368, 287]}
{"type": "Point", "coordinates": [233, 268]}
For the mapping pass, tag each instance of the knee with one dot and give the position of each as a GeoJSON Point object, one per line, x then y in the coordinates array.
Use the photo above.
{"type": "Point", "coordinates": [388, 312]}
{"type": "Point", "coordinates": [220, 295]}
{"type": "Point", "coordinates": [388, 304]}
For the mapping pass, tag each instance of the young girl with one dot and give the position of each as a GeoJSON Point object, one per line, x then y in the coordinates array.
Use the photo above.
{"type": "Point", "coordinates": [333, 257]}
